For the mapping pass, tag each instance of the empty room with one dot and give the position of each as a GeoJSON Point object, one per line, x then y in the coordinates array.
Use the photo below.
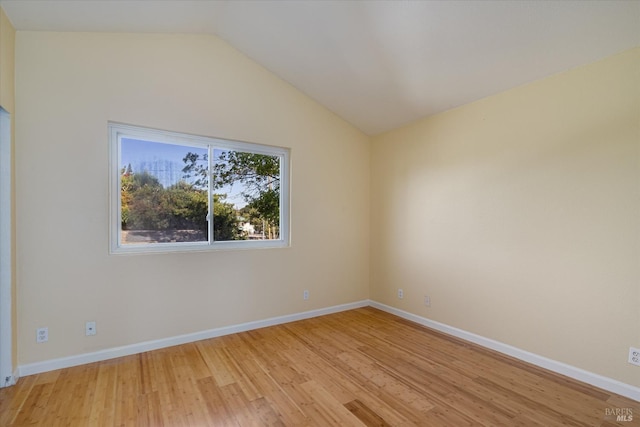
{"type": "Point", "coordinates": [315, 213]}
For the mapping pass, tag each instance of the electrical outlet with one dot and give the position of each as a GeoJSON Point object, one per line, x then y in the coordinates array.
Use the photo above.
{"type": "Point", "coordinates": [42, 335]}
{"type": "Point", "coordinates": [400, 293]}
{"type": "Point", "coordinates": [634, 356]}
{"type": "Point", "coordinates": [90, 328]}
{"type": "Point", "coordinates": [305, 295]}
{"type": "Point", "coordinates": [427, 300]}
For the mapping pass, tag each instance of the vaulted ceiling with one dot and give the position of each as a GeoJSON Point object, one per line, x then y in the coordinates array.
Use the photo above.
{"type": "Point", "coordinates": [377, 64]}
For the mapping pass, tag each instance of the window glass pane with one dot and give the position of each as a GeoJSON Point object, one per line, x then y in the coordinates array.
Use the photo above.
{"type": "Point", "coordinates": [162, 200]}
{"type": "Point", "coordinates": [246, 202]}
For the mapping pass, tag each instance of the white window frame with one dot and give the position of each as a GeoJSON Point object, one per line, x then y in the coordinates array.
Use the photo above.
{"type": "Point", "coordinates": [119, 131]}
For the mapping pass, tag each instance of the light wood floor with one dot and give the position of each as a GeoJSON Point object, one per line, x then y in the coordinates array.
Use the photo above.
{"type": "Point", "coordinates": [360, 367]}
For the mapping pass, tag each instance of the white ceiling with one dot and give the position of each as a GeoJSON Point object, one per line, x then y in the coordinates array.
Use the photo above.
{"type": "Point", "coordinates": [377, 64]}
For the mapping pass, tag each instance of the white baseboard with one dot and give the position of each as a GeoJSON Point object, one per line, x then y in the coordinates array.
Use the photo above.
{"type": "Point", "coordinates": [111, 353]}
{"type": "Point", "coordinates": [600, 381]}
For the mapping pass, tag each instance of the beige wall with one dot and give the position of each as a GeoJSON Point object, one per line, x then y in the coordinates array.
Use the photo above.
{"type": "Point", "coordinates": [7, 101]}
{"type": "Point", "coordinates": [69, 86]}
{"type": "Point", "coordinates": [519, 216]}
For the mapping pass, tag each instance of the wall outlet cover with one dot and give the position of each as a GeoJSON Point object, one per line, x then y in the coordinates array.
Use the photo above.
{"type": "Point", "coordinates": [42, 335]}
{"type": "Point", "coordinates": [90, 328]}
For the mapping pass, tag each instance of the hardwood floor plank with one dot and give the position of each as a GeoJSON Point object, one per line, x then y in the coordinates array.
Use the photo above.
{"type": "Point", "coordinates": [365, 414]}
{"type": "Point", "coordinates": [354, 368]}
{"type": "Point", "coordinates": [149, 410]}
{"type": "Point", "coordinates": [246, 367]}
{"type": "Point", "coordinates": [217, 361]}
{"type": "Point", "coordinates": [103, 407]}
{"type": "Point", "coordinates": [238, 405]}
{"type": "Point", "coordinates": [214, 402]}
{"type": "Point", "coordinates": [266, 414]}
{"type": "Point", "coordinates": [35, 407]}
{"type": "Point", "coordinates": [622, 402]}
{"type": "Point", "coordinates": [331, 411]}
{"type": "Point", "coordinates": [527, 405]}
{"type": "Point", "coordinates": [482, 412]}
{"type": "Point", "coordinates": [127, 391]}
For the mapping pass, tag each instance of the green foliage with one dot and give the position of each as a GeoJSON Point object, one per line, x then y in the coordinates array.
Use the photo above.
{"type": "Point", "coordinates": [147, 205]}
{"type": "Point", "coordinates": [257, 172]}
{"type": "Point", "coordinates": [225, 220]}
{"type": "Point", "coordinates": [187, 206]}
{"type": "Point", "coordinates": [258, 175]}
{"type": "Point", "coordinates": [126, 181]}
{"type": "Point", "coordinates": [197, 169]}
{"type": "Point", "coordinates": [148, 208]}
